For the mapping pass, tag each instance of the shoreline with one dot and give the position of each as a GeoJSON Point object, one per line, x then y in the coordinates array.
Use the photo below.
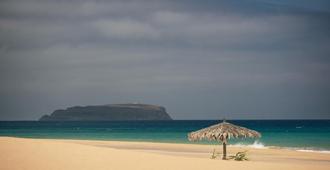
{"type": "Point", "coordinates": [255, 145]}
{"type": "Point", "coordinates": [95, 154]}
{"type": "Point", "coordinates": [294, 134]}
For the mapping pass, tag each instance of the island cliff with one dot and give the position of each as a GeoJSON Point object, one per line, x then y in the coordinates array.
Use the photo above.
{"type": "Point", "coordinates": [111, 112]}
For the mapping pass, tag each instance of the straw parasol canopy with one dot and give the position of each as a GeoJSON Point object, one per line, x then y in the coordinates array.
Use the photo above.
{"type": "Point", "coordinates": [221, 132]}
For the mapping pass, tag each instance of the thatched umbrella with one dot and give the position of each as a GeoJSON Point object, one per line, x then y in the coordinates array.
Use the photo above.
{"type": "Point", "coordinates": [221, 132]}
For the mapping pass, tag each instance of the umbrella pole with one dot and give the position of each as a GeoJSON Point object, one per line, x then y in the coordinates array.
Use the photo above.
{"type": "Point", "coordinates": [224, 150]}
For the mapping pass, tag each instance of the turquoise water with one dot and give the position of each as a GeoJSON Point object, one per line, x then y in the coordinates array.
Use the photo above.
{"type": "Point", "coordinates": [297, 134]}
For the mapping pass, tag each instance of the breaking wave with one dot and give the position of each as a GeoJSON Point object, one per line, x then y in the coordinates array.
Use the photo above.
{"type": "Point", "coordinates": [259, 145]}
{"type": "Point", "coordinates": [256, 144]}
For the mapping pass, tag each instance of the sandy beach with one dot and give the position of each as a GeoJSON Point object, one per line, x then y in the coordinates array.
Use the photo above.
{"type": "Point", "coordinates": [49, 154]}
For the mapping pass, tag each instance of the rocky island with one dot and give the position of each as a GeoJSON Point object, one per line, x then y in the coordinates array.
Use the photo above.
{"type": "Point", "coordinates": [111, 112]}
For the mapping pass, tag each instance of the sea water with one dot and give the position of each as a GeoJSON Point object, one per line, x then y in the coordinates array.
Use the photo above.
{"type": "Point", "coordinates": [302, 135]}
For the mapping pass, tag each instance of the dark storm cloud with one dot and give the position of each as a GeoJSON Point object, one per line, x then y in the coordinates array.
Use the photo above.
{"type": "Point", "coordinates": [202, 60]}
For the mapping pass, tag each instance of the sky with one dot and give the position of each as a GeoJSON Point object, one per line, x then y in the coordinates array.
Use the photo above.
{"type": "Point", "coordinates": [209, 59]}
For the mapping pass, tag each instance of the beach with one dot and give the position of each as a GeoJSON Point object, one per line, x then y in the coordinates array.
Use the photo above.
{"type": "Point", "coordinates": [58, 154]}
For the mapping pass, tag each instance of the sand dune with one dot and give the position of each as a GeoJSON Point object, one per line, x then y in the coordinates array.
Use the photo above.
{"type": "Point", "coordinates": [50, 154]}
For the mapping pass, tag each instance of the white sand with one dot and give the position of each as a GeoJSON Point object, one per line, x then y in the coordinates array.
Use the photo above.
{"type": "Point", "coordinates": [48, 154]}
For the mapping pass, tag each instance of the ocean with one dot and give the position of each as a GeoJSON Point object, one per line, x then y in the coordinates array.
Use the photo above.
{"type": "Point", "coordinates": [303, 135]}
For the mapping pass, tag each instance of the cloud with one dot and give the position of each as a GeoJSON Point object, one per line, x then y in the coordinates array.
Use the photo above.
{"type": "Point", "coordinates": [169, 17]}
{"type": "Point", "coordinates": [213, 57]}
{"type": "Point", "coordinates": [72, 9]}
{"type": "Point", "coordinates": [126, 29]}
{"type": "Point", "coordinates": [76, 22]}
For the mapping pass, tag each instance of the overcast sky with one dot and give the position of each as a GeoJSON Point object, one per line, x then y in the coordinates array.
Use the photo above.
{"type": "Point", "coordinates": [201, 59]}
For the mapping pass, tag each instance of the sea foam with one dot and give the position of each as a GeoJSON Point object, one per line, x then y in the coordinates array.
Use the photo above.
{"type": "Point", "coordinates": [256, 144]}
{"type": "Point", "coordinates": [314, 151]}
{"type": "Point", "coordinates": [260, 145]}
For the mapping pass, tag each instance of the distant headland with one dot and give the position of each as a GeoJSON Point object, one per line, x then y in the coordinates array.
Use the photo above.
{"type": "Point", "coordinates": [110, 112]}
